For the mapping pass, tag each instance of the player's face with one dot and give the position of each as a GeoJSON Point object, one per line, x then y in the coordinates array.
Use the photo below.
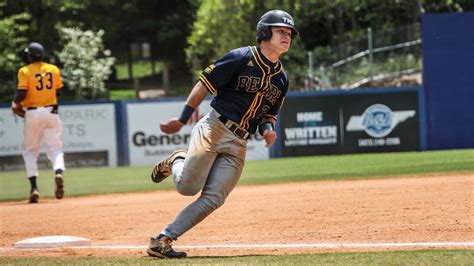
{"type": "Point", "coordinates": [281, 39]}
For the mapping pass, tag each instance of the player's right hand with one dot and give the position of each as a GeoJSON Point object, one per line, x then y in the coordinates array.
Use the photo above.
{"type": "Point", "coordinates": [18, 109]}
{"type": "Point", "coordinates": [171, 126]}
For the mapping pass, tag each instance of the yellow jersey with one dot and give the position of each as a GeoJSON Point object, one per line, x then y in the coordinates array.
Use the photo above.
{"type": "Point", "coordinates": [40, 80]}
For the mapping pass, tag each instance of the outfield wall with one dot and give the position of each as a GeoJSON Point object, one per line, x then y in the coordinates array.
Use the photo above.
{"type": "Point", "coordinates": [434, 117]}
{"type": "Point", "coordinates": [145, 144]}
{"type": "Point", "coordinates": [448, 74]}
{"type": "Point", "coordinates": [113, 133]}
{"type": "Point", "coordinates": [357, 121]}
{"type": "Point", "coordinates": [89, 136]}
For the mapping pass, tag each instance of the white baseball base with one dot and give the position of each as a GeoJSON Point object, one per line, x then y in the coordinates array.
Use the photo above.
{"type": "Point", "coordinates": [52, 242]}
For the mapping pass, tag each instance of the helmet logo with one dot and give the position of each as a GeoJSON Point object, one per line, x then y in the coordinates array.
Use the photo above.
{"type": "Point", "coordinates": [288, 21]}
{"type": "Point", "coordinates": [274, 18]}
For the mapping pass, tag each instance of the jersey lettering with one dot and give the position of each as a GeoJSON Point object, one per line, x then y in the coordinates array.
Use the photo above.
{"type": "Point", "coordinates": [272, 94]}
{"type": "Point", "coordinates": [249, 84]}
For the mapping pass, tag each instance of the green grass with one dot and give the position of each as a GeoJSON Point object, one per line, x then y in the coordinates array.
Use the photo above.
{"type": "Point", "coordinates": [85, 181]}
{"type": "Point", "coordinates": [122, 94]}
{"type": "Point", "coordinates": [140, 69]}
{"type": "Point", "coordinates": [358, 166]}
{"type": "Point", "coordinates": [423, 257]}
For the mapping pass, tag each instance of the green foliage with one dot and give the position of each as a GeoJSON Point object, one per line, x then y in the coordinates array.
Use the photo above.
{"type": "Point", "coordinates": [86, 63]}
{"type": "Point", "coordinates": [200, 31]}
{"type": "Point", "coordinates": [282, 170]}
{"type": "Point", "coordinates": [358, 70]}
{"type": "Point", "coordinates": [384, 62]}
{"type": "Point", "coordinates": [13, 40]}
{"type": "Point", "coordinates": [45, 15]}
{"type": "Point", "coordinates": [219, 27]}
{"type": "Point", "coordinates": [122, 94]}
{"type": "Point", "coordinates": [324, 23]}
{"type": "Point", "coordinates": [324, 26]}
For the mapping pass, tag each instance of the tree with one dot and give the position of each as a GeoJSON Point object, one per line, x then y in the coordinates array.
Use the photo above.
{"type": "Point", "coordinates": [163, 24]}
{"type": "Point", "coordinates": [224, 25]}
{"type": "Point", "coordinates": [86, 63]}
{"type": "Point", "coordinates": [12, 42]}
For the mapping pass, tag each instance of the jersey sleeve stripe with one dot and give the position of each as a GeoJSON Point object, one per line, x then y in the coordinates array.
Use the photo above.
{"type": "Point", "coordinates": [207, 84]}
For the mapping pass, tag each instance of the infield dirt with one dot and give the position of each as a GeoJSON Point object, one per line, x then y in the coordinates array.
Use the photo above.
{"type": "Point", "coordinates": [435, 208]}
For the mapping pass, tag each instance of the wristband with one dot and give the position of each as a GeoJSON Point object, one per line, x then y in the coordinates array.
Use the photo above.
{"type": "Point", "coordinates": [186, 114]}
{"type": "Point", "coordinates": [265, 126]}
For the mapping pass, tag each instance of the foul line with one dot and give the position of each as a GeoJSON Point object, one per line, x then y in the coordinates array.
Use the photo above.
{"type": "Point", "coordinates": [267, 246]}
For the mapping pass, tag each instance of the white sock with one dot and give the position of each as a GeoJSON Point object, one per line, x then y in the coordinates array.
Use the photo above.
{"type": "Point", "coordinates": [177, 167]}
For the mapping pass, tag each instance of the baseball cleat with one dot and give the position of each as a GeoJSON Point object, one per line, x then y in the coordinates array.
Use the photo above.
{"type": "Point", "coordinates": [160, 247]}
{"type": "Point", "coordinates": [34, 196]}
{"type": "Point", "coordinates": [59, 192]}
{"type": "Point", "coordinates": [163, 169]}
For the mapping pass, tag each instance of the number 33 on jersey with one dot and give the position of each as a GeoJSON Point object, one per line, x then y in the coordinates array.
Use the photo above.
{"type": "Point", "coordinates": [40, 80]}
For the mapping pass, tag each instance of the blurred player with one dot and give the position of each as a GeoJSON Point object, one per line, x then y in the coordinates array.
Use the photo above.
{"type": "Point", "coordinates": [250, 86]}
{"type": "Point", "coordinates": [39, 84]}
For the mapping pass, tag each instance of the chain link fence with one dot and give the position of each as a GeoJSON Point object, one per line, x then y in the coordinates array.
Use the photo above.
{"type": "Point", "coordinates": [375, 60]}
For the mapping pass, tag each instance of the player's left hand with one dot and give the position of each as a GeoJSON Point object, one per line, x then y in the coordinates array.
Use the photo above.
{"type": "Point", "coordinates": [171, 126]}
{"type": "Point", "coordinates": [270, 137]}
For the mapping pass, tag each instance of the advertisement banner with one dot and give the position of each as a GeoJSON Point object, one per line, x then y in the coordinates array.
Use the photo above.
{"type": "Point", "coordinates": [90, 129]}
{"type": "Point", "coordinates": [309, 126]}
{"type": "Point", "coordinates": [89, 137]}
{"type": "Point", "coordinates": [148, 145]}
{"type": "Point", "coordinates": [350, 123]}
{"type": "Point", "coordinates": [381, 123]}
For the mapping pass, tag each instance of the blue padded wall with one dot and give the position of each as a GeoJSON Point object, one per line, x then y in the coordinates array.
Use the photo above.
{"type": "Point", "coordinates": [448, 77]}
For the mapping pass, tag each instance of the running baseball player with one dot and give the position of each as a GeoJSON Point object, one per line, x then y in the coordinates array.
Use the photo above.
{"type": "Point", "coordinates": [39, 84]}
{"type": "Point", "coordinates": [250, 86]}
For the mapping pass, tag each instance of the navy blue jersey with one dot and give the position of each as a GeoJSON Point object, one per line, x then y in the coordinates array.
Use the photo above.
{"type": "Point", "coordinates": [247, 85]}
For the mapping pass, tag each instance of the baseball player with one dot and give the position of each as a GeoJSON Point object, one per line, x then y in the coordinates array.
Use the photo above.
{"type": "Point", "coordinates": [39, 84]}
{"type": "Point", "coordinates": [249, 85]}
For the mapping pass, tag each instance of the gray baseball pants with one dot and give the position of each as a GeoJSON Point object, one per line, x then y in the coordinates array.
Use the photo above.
{"type": "Point", "coordinates": [213, 165]}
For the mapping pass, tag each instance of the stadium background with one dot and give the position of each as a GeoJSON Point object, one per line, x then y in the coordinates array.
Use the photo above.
{"type": "Point", "coordinates": [442, 120]}
{"type": "Point", "coordinates": [111, 133]}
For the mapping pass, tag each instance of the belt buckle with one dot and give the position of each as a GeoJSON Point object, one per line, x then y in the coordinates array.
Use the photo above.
{"type": "Point", "coordinates": [234, 128]}
{"type": "Point", "coordinates": [241, 133]}
{"type": "Point", "coordinates": [236, 132]}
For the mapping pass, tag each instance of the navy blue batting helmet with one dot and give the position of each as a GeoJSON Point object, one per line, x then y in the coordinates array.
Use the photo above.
{"type": "Point", "coordinates": [35, 49]}
{"type": "Point", "coordinates": [276, 18]}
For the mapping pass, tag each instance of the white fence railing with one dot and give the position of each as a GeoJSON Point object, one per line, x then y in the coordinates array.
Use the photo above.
{"type": "Point", "coordinates": [329, 75]}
